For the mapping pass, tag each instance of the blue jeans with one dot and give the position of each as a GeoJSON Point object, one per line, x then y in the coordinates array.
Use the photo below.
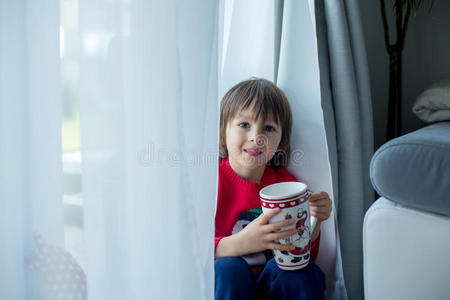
{"type": "Point", "coordinates": [234, 280]}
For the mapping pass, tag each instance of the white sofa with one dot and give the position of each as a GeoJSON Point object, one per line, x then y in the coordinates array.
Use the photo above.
{"type": "Point", "coordinates": [406, 232]}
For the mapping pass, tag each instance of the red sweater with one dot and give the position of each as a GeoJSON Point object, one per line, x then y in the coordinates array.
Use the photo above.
{"type": "Point", "coordinates": [238, 202]}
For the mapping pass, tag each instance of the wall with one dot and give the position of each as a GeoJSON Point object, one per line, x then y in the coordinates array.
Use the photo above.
{"type": "Point", "coordinates": [426, 59]}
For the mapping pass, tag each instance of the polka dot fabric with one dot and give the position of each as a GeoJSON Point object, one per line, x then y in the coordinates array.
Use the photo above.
{"type": "Point", "coordinates": [62, 276]}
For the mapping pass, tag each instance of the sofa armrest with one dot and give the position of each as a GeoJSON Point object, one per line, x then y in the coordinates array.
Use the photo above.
{"type": "Point", "coordinates": [414, 169]}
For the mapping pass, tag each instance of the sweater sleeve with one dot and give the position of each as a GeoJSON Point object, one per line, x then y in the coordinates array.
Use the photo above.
{"type": "Point", "coordinates": [218, 234]}
{"type": "Point", "coordinates": [216, 241]}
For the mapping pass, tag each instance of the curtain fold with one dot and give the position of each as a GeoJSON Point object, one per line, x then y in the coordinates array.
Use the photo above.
{"type": "Point", "coordinates": [299, 77]}
{"type": "Point", "coordinates": [149, 123]}
{"type": "Point", "coordinates": [31, 205]}
{"type": "Point", "coordinates": [249, 46]}
{"type": "Point", "coordinates": [347, 107]}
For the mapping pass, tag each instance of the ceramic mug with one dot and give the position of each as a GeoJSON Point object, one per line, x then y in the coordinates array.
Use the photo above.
{"type": "Point", "coordinates": [293, 200]}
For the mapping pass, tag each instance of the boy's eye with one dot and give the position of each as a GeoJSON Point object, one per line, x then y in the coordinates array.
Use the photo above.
{"type": "Point", "coordinates": [244, 125]}
{"type": "Point", "coordinates": [269, 128]}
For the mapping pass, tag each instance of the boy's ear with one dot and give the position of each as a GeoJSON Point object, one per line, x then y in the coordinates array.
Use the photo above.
{"type": "Point", "coordinates": [223, 150]}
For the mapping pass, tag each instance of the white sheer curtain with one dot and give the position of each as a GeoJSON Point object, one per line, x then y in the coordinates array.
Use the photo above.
{"type": "Point", "coordinates": [31, 206]}
{"type": "Point", "coordinates": [148, 93]}
{"type": "Point", "coordinates": [149, 122]}
{"type": "Point", "coordinates": [149, 118]}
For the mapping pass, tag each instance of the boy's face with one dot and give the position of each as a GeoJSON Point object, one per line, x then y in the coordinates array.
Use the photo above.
{"type": "Point", "coordinates": [251, 143]}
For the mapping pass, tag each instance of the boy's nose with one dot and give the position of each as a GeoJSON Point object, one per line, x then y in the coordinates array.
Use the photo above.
{"type": "Point", "coordinates": [258, 139]}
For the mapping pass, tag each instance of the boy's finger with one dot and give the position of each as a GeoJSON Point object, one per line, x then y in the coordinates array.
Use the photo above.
{"type": "Point", "coordinates": [281, 234]}
{"type": "Point", "coordinates": [321, 201]}
{"type": "Point", "coordinates": [318, 196]}
{"type": "Point", "coordinates": [280, 247]}
{"type": "Point", "coordinates": [321, 209]}
{"type": "Point", "coordinates": [278, 225]}
{"type": "Point", "coordinates": [265, 218]}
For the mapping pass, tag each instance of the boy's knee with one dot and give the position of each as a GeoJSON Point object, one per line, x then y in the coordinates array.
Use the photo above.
{"type": "Point", "coordinates": [307, 282]}
{"type": "Point", "coordinates": [234, 279]}
{"type": "Point", "coordinates": [310, 274]}
{"type": "Point", "coordinates": [231, 267]}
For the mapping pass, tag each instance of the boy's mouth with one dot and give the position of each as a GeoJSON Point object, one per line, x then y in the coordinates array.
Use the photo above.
{"type": "Point", "coordinates": [253, 151]}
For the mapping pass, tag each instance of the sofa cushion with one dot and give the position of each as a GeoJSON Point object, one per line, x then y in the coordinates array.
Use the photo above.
{"type": "Point", "coordinates": [414, 169]}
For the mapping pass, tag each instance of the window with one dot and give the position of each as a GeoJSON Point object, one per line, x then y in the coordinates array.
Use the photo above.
{"type": "Point", "coordinates": [73, 201]}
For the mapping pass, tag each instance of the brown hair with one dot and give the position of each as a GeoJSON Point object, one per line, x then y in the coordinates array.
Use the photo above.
{"type": "Point", "coordinates": [267, 99]}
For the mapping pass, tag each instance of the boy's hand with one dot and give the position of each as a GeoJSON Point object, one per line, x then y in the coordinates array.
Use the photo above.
{"type": "Point", "coordinates": [320, 205]}
{"type": "Point", "coordinates": [259, 235]}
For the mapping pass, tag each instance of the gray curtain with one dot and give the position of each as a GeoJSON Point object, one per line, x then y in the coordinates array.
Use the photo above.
{"type": "Point", "coordinates": [348, 121]}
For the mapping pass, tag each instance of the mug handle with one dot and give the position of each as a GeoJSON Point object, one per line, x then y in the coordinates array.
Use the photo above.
{"type": "Point", "coordinates": [313, 219]}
